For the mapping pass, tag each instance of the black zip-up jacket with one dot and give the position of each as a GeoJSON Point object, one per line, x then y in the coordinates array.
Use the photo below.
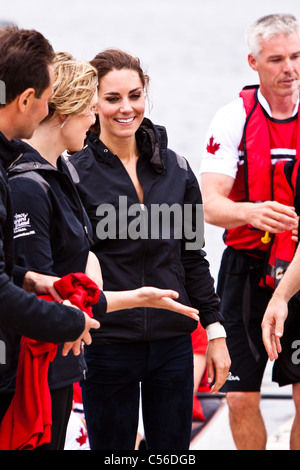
{"type": "Point", "coordinates": [129, 261]}
{"type": "Point", "coordinates": [52, 234]}
{"type": "Point", "coordinates": [21, 312]}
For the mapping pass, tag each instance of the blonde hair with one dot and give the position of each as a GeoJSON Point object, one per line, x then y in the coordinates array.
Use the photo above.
{"type": "Point", "coordinates": [75, 83]}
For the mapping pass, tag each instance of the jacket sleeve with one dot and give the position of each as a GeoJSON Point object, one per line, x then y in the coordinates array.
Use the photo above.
{"type": "Point", "coordinates": [24, 313]}
{"type": "Point", "coordinates": [18, 275]}
{"type": "Point", "coordinates": [199, 282]}
{"type": "Point", "coordinates": [32, 221]}
{"type": "Point", "coordinates": [100, 309]}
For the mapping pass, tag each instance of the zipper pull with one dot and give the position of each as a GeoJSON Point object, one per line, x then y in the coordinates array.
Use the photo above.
{"type": "Point", "coordinates": [87, 234]}
{"type": "Point", "coordinates": [266, 239]}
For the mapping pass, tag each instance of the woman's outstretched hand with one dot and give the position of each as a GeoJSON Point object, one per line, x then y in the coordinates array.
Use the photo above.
{"type": "Point", "coordinates": [164, 299]}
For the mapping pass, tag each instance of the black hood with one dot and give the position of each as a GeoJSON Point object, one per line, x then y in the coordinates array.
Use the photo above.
{"type": "Point", "coordinates": [154, 141]}
{"type": "Point", "coordinates": [150, 137]}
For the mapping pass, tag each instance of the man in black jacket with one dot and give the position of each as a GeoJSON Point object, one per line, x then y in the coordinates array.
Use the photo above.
{"type": "Point", "coordinates": [26, 78]}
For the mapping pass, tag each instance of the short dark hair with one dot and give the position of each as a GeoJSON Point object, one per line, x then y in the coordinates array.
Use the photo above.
{"type": "Point", "coordinates": [25, 56]}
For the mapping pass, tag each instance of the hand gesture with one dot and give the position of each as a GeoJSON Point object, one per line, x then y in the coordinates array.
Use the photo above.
{"type": "Point", "coordinates": [273, 326]}
{"type": "Point", "coordinates": [85, 337]}
{"type": "Point", "coordinates": [218, 363]}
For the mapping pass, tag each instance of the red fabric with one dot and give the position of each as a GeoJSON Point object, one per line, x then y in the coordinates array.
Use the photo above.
{"type": "Point", "coordinates": [200, 343]}
{"type": "Point", "coordinates": [198, 414]}
{"type": "Point", "coordinates": [27, 423]}
{"type": "Point", "coordinates": [77, 395]}
{"type": "Point", "coordinates": [282, 248]}
{"type": "Point", "coordinates": [199, 340]}
{"type": "Point", "coordinates": [204, 386]}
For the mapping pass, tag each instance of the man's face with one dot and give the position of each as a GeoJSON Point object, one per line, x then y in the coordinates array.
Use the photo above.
{"type": "Point", "coordinates": [39, 108]}
{"type": "Point", "coordinates": [278, 65]}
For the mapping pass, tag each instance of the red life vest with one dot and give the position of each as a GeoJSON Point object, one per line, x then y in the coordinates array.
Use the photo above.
{"type": "Point", "coordinates": [256, 161]}
{"type": "Point", "coordinates": [282, 248]}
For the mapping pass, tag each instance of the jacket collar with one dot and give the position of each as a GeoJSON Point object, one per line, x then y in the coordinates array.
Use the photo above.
{"type": "Point", "coordinates": [9, 150]}
{"type": "Point", "coordinates": [31, 160]}
{"type": "Point", "coordinates": [151, 139]}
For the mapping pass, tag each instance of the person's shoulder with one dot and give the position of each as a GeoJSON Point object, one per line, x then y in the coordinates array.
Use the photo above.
{"type": "Point", "coordinates": [82, 160]}
{"type": "Point", "coordinates": [176, 160]}
{"type": "Point", "coordinates": [228, 123]}
{"type": "Point", "coordinates": [80, 164]}
{"type": "Point", "coordinates": [31, 193]}
{"type": "Point", "coordinates": [232, 110]}
{"type": "Point", "coordinates": [81, 155]}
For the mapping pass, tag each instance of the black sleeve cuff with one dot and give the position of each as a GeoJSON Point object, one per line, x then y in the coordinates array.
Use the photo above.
{"type": "Point", "coordinates": [19, 275]}
{"type": "Point", "coordinates": [100, 309]}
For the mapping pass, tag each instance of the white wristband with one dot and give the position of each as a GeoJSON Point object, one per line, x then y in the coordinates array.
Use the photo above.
{"type": "Point", "coordinates": [215, 330]}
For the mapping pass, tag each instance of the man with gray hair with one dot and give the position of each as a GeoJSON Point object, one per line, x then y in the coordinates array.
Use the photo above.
{"type": "Point", "coordinates": [245, 140]}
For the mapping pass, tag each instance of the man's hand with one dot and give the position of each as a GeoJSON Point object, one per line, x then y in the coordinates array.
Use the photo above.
{"type": "Point", "coordinates": [273, 217]}
{"type": "Point", "coordinates": [218, 363]}
{"type": "Point", "coordinates": [41, 284]}
{"type": "Point", "coordinates": [220, 210]}
{"type": "Point", "coordinates": [76, 346]}
{"type": "Point", "coordinates": [273, 326]}
{"type": "Point", "coordinates": [295, 232]}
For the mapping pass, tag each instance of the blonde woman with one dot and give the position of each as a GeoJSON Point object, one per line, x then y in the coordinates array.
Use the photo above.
{"type": "Point", "coordinates": [52, 231]}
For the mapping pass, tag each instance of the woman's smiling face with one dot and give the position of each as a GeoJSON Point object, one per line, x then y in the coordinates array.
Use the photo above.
{"type": "Point", "coordinates": [121, 104]}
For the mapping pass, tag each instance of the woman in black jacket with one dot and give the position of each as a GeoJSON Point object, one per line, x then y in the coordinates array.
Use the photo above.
{"type": "Point", "coordinates": [52, 232]}
{"type": "Point", "coordinates": [145, 206]}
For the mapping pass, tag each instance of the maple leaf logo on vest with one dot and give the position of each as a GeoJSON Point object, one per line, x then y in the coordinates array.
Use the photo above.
{"type": "Point", "coordinates": [212, 147]}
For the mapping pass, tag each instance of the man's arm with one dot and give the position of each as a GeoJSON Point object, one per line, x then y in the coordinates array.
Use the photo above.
{"type": "Point", "coordinates": [268, 216]}
{"type": "Point", "coordinates": [29, 316]}
{"type": "Point", "coordinates": [277, 310]}
{"type": "Point", "coordinates": [218, 362]}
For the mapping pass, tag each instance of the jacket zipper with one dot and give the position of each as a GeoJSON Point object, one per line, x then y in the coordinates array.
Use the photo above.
{"type": "Point", "coordinates": [143, 276]}
{"type": "Point", "coordinates": [142, 206]}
